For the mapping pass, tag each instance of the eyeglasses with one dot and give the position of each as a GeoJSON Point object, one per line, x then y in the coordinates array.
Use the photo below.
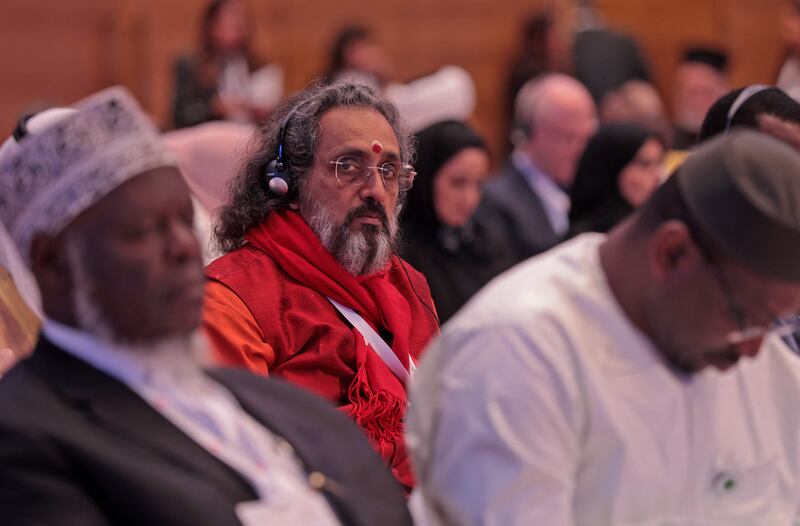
{"type": "Point", "coordinates": [351, 170]}
{"type": "Point", "coordinates": [781, 327]}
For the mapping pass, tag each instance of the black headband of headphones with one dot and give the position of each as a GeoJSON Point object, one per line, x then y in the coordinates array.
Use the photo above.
{"type": "Point", "coordinates": [743, 97]}
{"type": "Point", "coordinates": [21, 129]}
{"type": "Point", "coordinates": [282, 133]}
{"type": "Point", "coordinates": [277, 172]}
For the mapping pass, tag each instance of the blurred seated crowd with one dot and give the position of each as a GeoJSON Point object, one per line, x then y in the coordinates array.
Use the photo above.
{"type": "Point", "coordinates": [336, 306]}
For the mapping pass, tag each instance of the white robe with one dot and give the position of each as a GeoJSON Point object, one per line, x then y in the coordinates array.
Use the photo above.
{"type": "Point", "coordinates": [542, 404]}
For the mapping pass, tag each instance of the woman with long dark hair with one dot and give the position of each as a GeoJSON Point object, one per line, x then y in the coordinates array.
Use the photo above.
{"type": "Point", "coordinates": [225, 80]}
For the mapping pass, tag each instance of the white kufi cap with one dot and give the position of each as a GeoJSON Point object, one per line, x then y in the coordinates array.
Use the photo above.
{"type": "Point", "coordinates": [72, 158]}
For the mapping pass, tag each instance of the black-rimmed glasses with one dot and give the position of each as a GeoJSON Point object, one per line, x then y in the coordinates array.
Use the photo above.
{"type": "Point", "coordinates": [781, 327]}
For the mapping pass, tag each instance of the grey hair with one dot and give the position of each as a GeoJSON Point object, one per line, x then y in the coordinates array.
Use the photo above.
{"type": "Point", "coordinates": [533, 96]}
{"type": "Point", "coordinates": [249, 200]}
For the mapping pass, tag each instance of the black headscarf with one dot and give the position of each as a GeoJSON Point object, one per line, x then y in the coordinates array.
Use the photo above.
{"type": "Point", "coordinates": [437, 144]}
{"type": "Point", "coordinates": [456, 261]}
{"type": "Point", "coordinates": [596, 202]}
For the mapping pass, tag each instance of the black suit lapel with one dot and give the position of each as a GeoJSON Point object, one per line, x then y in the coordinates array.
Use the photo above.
{"type": "Point", "coordinates": [115, 407]}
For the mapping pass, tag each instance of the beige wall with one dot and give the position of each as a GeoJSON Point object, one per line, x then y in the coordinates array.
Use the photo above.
{"type": "Point", "coordinates": [56, 51]}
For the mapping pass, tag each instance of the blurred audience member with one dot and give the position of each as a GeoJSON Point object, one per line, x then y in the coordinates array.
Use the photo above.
{"type": "Point", "coordinates": [789, 74]}
{"type": "Point", "coordinates": [555, 116]}
{"type": "Point", "coordinates": [20, 274]}
{"type": "Point", "coordinates": [20, 304]}
{"type": "Point", "coordinates": [440, 237]}
{"type": "Point", "coordinates": [357, 57]}
{"type": "Point", "coordinates": [225, 80]}
{"type": "Point", "coordinates": [618, 171]}
{"type": "Point", "coordinates": [446, 94]}
{"type": "Point", "coordinates": [742, 107]}
{"type": "Point", "coordinates": [207, 155]}
{"type": "Point", "coordinates": [701, 79]}
{"type": "Point", "coordinates": [621, 379]}
{"type": "Point", "coordinates": [638, 102]}
{"type": "Point", "coordinates": [604, 58]}
{"type": "Point", "coordinates": [18, 324]}
{"type": "Point", "coordinates": [537, 55]}
{"type": "Point", "coordinates": [309, 287]}
{"type": "Point", "coordinates": [112, 420]}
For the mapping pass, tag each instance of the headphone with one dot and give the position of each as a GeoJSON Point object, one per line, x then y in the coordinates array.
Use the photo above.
{"type": "Point", "coordinates": [743, 97]}
{"type": "Point", "coordinates": [21, 130]}
{"type": "Point", "coordinates": [278, 172]}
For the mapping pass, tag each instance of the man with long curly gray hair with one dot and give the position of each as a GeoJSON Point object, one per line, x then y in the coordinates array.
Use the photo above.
{"type": "Point", "coordinates": [309, 287]}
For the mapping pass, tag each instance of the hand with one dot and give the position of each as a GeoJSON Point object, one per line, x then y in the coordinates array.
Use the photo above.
{"type": "Point", "coordinates": [7, 360]}
{"type": "Point", "coordinates": [786, 131]}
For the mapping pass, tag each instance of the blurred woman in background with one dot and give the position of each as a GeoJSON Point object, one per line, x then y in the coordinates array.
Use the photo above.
{"type": "Point", "coordinates": [620, 168]}
{"type": "Point", "coordinates": [356, 56]}
{"type": "Point", "coordinates": [441, 239]}
{"type": "Point", "coordinates": [445, 94]}
{"type": "Point", "coordinates": [225, 81]}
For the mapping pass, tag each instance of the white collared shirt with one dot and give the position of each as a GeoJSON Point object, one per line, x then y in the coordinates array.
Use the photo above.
{"type": "Point", "coordinates": [172, 382]}
{"type": "Point", "coordinates": [541, 403]}
{"type": "Point", "coordinates": [555, 200]}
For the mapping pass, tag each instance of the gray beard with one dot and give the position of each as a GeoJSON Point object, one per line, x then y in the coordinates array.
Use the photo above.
{"type": "Point", "coordinates": [360, 252]}
{"type": "Point", "coordinates": [88, 314]}
{"type": "Point", "coordinates": [91, 319]}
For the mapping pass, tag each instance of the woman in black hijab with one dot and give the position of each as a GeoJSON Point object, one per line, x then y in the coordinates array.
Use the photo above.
{"type": "Point", "coordinates": [619, 169]}
{"type": "Point", "coordinates": [440, 237]}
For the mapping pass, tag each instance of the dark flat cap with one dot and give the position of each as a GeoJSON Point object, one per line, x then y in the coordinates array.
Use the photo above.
{"type": "Point", "coordinates": [743, 190]}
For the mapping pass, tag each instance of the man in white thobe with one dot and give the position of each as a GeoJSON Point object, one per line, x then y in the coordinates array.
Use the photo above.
{"type": "Point", "coordinates": [601, 383]}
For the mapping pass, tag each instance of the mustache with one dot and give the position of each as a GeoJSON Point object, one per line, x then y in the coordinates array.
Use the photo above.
{"type": "Point", "coordinates": [368, 207]}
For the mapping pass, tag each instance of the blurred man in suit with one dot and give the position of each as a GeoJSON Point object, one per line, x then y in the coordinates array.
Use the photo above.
{"type": "Point", "coordinates": [555, 116]}
{"type": "Point", "coordinates": [700, 79]}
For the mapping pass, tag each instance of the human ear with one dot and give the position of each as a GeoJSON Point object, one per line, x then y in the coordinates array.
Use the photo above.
{"type": "Point", "coordinates": [671, 249]}
{"type": "Point", "coordinates": [49, 264]}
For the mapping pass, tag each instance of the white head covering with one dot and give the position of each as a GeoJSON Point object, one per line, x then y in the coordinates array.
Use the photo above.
{"type": "Point", "coordinates": [72, 158]}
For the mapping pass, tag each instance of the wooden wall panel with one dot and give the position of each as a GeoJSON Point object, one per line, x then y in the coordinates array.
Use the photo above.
{"type": "Point", "coordinates": [53, 51]}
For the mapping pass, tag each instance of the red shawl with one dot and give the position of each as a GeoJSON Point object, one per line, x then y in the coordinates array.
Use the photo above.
{"type": "Point", "coordinates": [316, 343]}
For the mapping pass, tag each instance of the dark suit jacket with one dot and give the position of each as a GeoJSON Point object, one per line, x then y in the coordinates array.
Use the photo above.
{"type": "Point", "coordinates": [606, 59]}
{"type": "Point", "coordinates": [191, 104]}
{"type": "Point", "coordinates": [511, 208]}
{"type": "Point", "coordinates": [79, 448]}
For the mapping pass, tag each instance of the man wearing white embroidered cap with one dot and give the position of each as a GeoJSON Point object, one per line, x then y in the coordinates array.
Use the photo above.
{"type": "Point", "coordinates": [112, 420]}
